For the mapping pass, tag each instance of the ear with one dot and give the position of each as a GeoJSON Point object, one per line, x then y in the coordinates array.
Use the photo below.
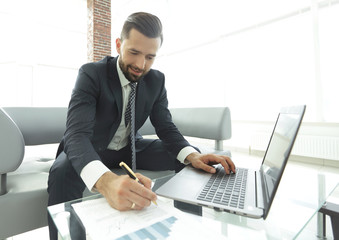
{"type": "Point", "coordinates": [118, 45]}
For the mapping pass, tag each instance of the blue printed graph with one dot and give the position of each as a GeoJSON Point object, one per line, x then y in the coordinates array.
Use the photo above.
{"type": "Point", "coordinates": [159, 230]}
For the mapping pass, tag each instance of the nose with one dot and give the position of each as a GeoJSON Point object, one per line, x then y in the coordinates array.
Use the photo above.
{"type": "Point", "coordinates": [141, 62]}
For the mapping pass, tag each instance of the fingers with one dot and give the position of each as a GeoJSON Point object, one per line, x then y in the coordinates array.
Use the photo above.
{"type": "Point", "coordinates": [228, 164]}
{"type": "Point", "coordinates": [134, 192]}
{"type": "Point", "coordinates": [140, 194]}
{"type": "Point", "coordinates": [134, 206]}
{"type": "Point", "coordinates": [210, 159]}
{"type": "Point", "coordinates": [205, 167]}
{"type": "Point", "coordinates": [144, 180]}
{"type": "Point", "coordinates": [126, 206]}
{"type": "Point", "coordinates": [123, 191]}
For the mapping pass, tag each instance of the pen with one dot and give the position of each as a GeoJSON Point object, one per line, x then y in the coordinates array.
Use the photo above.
{"type": "Point", "coordinates": [131, 174]}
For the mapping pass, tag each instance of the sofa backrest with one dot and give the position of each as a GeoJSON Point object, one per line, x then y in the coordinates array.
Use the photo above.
{"type": "Point", "coordinates": [208, 123]}
{"type": "Point", "coordinates": [46, 125]}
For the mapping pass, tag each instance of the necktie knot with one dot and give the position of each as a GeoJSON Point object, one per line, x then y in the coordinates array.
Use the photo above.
{"type": "Point", "coordinates": [133, 85]}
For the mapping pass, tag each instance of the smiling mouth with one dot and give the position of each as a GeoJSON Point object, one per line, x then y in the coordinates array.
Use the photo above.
{"type": "Point", "coordinates": [136, 71]}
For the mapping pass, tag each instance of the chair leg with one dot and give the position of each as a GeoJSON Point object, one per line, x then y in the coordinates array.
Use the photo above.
{"type": "Point", "coordinates": [321, 225]}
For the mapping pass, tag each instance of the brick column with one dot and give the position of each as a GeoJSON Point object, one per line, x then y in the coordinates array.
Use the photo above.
{"type": "Point", "coordinates": [99, 29]}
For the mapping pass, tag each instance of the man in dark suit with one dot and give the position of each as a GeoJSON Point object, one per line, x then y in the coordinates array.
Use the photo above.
{"type": "Point", "coordinates": [97, 138]}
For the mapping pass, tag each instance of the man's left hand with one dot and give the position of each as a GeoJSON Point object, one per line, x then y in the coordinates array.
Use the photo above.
{"type": "Point", "coordinates": [204, 162]}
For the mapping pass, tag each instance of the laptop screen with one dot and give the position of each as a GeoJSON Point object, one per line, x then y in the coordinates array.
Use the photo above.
{"type": "Point", "coordinates": [279, 149]}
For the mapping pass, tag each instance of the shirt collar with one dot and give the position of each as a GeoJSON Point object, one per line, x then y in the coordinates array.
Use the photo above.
{"type": "Point", "coordinates": [123, 79]}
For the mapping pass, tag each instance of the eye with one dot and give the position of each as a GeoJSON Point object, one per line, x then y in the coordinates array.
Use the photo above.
{"type": "Point", "coordinates": [133, 52]}
{"type": "Point", "coordinates": [150, 58]}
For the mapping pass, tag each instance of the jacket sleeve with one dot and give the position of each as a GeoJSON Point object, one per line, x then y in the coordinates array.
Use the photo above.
{"type": "Point", "coordinates": [81, 118]}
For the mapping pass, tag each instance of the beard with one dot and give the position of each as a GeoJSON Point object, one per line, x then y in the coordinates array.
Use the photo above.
{"type": "Point", "coordinates": [130, 77]}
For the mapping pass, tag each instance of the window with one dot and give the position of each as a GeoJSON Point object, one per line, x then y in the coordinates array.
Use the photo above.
{"type": "Point", "coordinates": [253, 56]}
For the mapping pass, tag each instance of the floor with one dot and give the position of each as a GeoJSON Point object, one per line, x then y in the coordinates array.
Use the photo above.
{"type": "Point", "coordinates": [310, 232]}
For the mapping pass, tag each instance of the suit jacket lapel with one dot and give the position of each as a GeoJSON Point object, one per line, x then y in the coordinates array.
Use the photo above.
{"type": "Point", "coordinates": [114, 83]}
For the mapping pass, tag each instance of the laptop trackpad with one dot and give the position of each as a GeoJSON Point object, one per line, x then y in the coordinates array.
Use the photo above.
{"type": "Point", "coordinates": [185, 185]}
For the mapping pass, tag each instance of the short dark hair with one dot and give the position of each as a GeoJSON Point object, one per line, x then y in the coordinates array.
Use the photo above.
{"type": "Point", "coordinates": [146, 23]}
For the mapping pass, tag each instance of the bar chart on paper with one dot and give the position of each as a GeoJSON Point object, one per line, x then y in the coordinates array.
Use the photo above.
{"type": "Point", "coordinates": [155, 222]}
{"type": "Point", "coordinates": [159, 230]}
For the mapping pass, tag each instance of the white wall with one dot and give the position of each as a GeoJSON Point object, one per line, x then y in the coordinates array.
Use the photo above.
{"type": "Point", "coordinates": [42, 45]}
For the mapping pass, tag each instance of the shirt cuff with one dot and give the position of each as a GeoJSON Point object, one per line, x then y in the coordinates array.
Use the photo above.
{"type": "Point", "coordinates": [184, 153]}
{"type": "Point", "coordinates": [91, 173]}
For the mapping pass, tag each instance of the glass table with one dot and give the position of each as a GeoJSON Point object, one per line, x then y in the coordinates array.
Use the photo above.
{"type": "Point", "coordinates": [302, 191]}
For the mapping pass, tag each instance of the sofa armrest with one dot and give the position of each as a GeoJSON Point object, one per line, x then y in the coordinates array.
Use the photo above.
{"type": "Point", "coordinates": [25, 126]}
{"type": "Point", "coordinates": [39, 125]}
{"type": "Point", "coordinates": [12, 145]}
{"type": "Point", "coordinates": [12, 148]}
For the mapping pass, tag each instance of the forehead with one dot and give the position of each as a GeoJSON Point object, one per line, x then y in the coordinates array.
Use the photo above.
{"type": "Point", "coordinates": [141, 43]}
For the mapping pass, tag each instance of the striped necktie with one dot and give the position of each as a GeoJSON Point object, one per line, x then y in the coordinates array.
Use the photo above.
{"type": "Point", "coordinates": [130, 118]}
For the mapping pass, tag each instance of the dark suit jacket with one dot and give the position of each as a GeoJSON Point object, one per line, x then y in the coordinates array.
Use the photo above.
{"type": "Point", "coordinates": [95, 112]}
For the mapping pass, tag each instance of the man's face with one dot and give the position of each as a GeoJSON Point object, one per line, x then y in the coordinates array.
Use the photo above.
{"type": "Point", "coordinates": [137, 54]}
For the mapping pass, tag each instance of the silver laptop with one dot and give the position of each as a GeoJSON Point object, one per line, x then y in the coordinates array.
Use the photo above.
{"type": "Point", "coordinates": [247, 192]}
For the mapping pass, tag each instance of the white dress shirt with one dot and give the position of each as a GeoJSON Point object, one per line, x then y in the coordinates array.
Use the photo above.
{"type": "Point", "coordinates": [95, 169]}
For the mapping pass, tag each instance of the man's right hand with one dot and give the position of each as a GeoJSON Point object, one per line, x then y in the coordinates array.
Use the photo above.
{"type": "Point", "coordinates": [123, 193]}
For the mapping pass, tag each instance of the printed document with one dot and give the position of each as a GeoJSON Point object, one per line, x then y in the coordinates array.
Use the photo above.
{"type": "Point", "coordinates": [155, 222]}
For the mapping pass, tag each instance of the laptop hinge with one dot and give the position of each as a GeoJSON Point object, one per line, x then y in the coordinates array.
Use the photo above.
{"type": "Point", "coordinates": [259, 191]}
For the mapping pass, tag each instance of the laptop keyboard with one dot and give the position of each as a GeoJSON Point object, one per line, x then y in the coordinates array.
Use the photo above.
{"type": "Point", "coordinates": [227, 190]}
